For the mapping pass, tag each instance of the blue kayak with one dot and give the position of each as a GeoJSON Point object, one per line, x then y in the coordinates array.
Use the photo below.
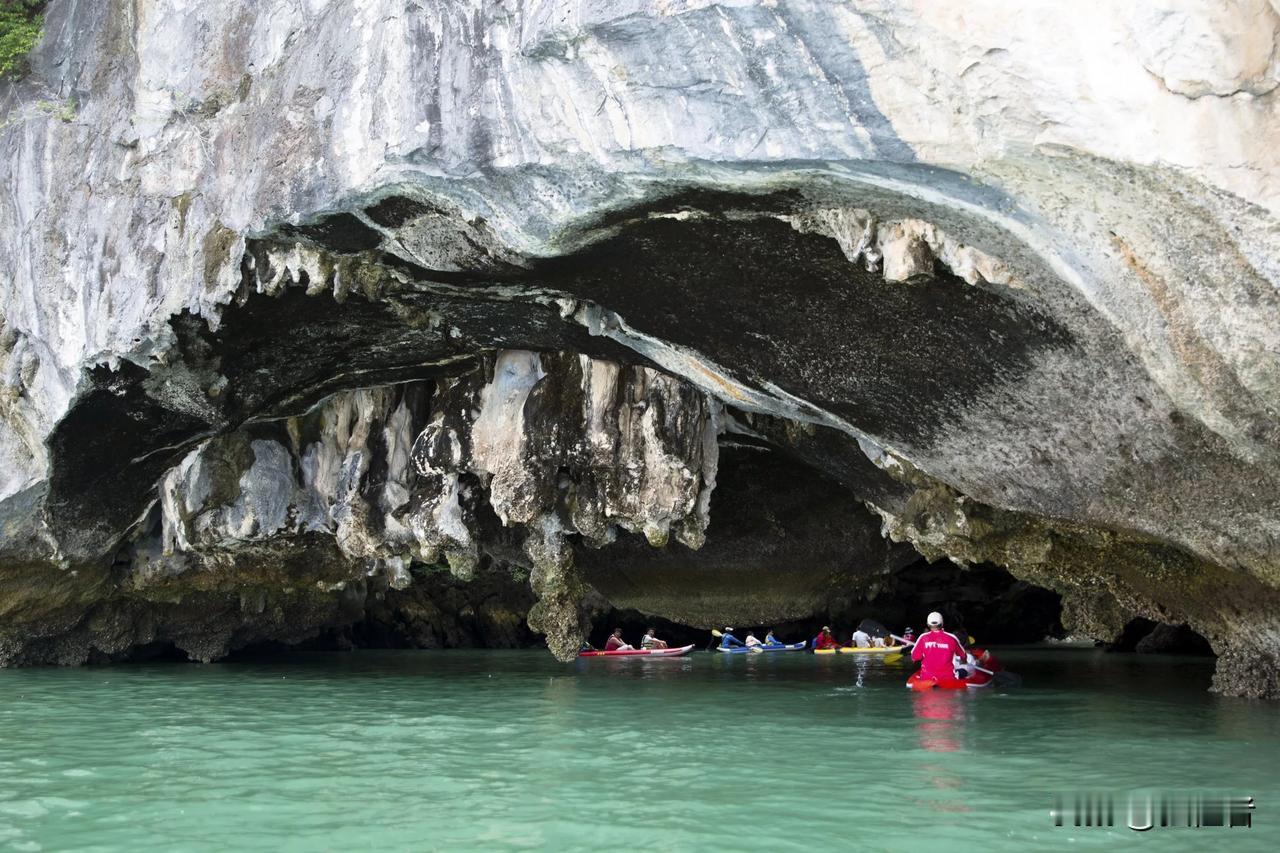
{"type": "Point", "coordinates": [738, 650]}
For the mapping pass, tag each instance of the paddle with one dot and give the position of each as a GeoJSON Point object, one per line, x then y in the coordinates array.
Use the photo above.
{"type": "Point", "coordinates": [717, 635]}
{"type": "Point", "coordinates": [994, 675]}
{"type": "Point", "coordinates": [975, 666]}
{"type": "Point", "coordinates": [897, 656]}
{"type": "Point", "coordinates": [906, 642]}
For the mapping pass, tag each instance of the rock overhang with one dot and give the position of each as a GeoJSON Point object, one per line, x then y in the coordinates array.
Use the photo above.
{"type": "Point", "coordinates": [713, 278]}
{"type": "Point", "coordinates": [1137, 397]}
{"type": "Point", "coordinates": [1053, 309]}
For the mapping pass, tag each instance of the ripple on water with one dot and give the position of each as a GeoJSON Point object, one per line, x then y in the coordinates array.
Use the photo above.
{"type": "Point", "coordinates": [513, 751]}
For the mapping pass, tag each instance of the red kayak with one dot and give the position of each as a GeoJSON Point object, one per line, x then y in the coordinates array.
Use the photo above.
{"type": "Point", "coordinates": [919, 682]}
{"type": "Point", "coordinates": [653, 653]}
{"type": "Point", "coordinates": [975, 678]}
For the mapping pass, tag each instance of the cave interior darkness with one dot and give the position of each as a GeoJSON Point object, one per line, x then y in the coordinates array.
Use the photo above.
{"type": "Point", "coordinates": [896, 359]}
{"type": "Point", "coordinates": [982, 601]}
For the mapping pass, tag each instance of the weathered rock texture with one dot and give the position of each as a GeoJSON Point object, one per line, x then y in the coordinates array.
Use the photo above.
{"type": "Point", "coordinates": [506, 462]}
{"type": "Point", "coordinates": [784, 543]}
{"type": "Point", "coordinates": [1009, 279]}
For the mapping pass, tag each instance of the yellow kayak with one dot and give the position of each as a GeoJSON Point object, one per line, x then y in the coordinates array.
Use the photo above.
{"type": "Point", "coordinates": [850, 650]}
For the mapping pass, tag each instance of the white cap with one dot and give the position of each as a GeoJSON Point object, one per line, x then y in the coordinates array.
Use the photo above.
{"type": "Point", "coordinates": [935, 618]}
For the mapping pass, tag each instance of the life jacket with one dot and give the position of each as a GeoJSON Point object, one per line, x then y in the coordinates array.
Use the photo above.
{"type": "Point", "coordinates": [822, 642]}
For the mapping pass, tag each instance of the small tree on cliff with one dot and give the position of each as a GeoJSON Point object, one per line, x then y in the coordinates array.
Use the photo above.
{"type": "Point", "coordinates": [21, 23]}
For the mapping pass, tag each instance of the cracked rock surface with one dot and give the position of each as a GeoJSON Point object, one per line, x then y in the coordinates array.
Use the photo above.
{"type": "Point", "coordinates": [295, 303]}
{"type": "Point", "coordinates": [529, 448]}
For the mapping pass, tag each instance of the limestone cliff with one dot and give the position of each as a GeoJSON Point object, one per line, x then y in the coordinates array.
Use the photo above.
{"type": "Point", "coordinates": [298, 291]}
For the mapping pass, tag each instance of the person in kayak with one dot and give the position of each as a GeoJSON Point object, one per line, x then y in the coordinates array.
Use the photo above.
{"type": "Point", "coordinates": [825, 640]}
{"type": "Point", "coordinates": [752, 642]}
{"type": "Point", "coordinates": [651, 641]}
{"type": "Point", "coordinates": [983, 657]}
{"type": "Point", "coordinates": [909, 635]}
{"type": "Point", "coordinates": [728, 641]}
{"type": "Point", "coordinates": [861, 639]}
{"type": "Point", "coordinates": [616, 643]}
{"type": "Point", "coordinates": [770, 640]}
{"type": "Point", "coordinates": [937, 651]}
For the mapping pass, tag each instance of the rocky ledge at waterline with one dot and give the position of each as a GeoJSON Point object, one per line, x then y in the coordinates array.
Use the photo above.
{"type": "Point", "coordinates": [294, 305]}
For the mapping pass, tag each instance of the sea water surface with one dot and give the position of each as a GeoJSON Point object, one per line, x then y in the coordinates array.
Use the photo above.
{"type": "Point", "coordinates": [475, 750]}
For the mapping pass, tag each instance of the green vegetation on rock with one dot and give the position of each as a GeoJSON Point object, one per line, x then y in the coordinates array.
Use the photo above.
{"type": "Point", "coordinates": [21, 24]}
{"type": "Point", "coordinates": [65, 110]}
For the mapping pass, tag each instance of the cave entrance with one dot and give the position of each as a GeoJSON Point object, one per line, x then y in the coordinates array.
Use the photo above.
{"type": "Point", "coordinates": [689, 413]}
{"type": "Point", "coordinates": [1145, 636]}
{"type": "Point", "coordinates": [787, 548]}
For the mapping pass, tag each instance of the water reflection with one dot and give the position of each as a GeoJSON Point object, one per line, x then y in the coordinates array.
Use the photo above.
{"type": "Point", "coordinates": [639, 666]}
{"type": "Point", "coordinates": [860, 671]}
{"type": "Point", "coordinates": [940, 717]}
{"type": "Point", "coordinates": [511, 750]}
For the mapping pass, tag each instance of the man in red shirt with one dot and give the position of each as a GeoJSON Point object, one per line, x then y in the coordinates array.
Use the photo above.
{"type": "Point", "coordinates": [825, 640]}
{"type": "Point", "coordinates": [937, 649]}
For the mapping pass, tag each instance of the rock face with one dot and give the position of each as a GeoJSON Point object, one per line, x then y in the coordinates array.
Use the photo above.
{"type": "Point", "coordinates": [298, 299]}
{"type": "Point", "coordinates": [508, 460]}
{"type": "Point", "coordinates": [784, 543]}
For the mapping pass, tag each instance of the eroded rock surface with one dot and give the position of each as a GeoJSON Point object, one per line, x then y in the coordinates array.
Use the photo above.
{"type": "Point", "coordinates": [527, 450]}
{"type": "Point", "coordinates": [1010, 281]}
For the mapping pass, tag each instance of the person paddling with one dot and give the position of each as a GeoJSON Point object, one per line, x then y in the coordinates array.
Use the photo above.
{"type": "Point", "coordinates": [728, 641]}
{"type": "Point", "coordinates": [651, 641]}
{"type": "Point", "coordinates": [825, 640]}
{"type": "Point", "coordinates": [936, 649]}
{"type": "Point", "coordinates": [616, 643]}
{"type": "Point", "coordinates": [752, 641]}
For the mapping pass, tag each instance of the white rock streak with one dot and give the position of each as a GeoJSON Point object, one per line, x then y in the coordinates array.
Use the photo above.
{"type": "Point", "coordinates": [638, 453]}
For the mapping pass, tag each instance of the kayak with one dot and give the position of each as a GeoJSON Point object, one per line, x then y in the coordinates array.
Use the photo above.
{"type": "Point", "coordinates": [737, 650]}
{"type": "Point", "coordinates": [850, 650]}
{"type": "Point", "coordinates": [974, 680]}
{"type": "Point", "coordinates": [630, 653]}
{"type": "Point", "coordinates": [873, 650]}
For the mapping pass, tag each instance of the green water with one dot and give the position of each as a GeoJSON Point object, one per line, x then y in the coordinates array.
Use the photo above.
{"type": "Point", "coordinates": [510, 750]}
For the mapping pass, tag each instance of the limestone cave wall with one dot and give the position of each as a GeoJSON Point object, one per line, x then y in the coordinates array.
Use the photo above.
{"type": "Point", "coordinates": [296, 302]}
